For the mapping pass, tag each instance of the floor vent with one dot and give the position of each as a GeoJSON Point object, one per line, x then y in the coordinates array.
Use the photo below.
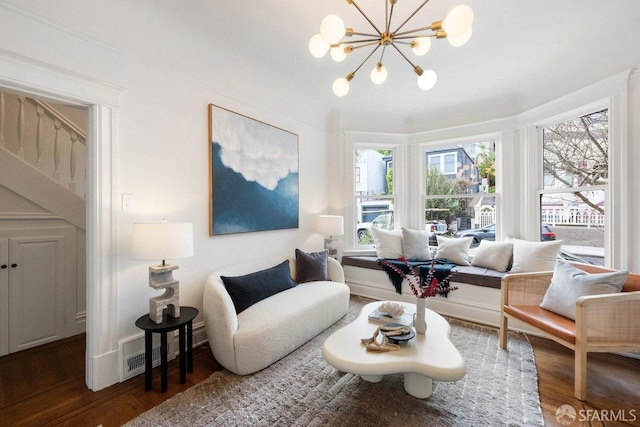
{"type": "Point", "coordinates": [134, 364]}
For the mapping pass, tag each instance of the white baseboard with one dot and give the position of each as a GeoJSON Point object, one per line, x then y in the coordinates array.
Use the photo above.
{"type": "Point", "coordinates": [105, 367]}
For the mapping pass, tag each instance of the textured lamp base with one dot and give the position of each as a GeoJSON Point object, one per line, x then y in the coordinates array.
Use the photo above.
{"type": "Point", "coordinates": [329, 245]}
{"type": "Point", "coordinates": [160, 277]}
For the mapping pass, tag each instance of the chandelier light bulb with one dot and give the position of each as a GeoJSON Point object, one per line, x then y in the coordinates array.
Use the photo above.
{"type": "Point", "coordinates": [338, 54]}
{"type": "Point", "coordinates": [379, 74]}
{"type": "Point", "coordinates": [458, 21]}
{"type": "Point", "coordinates": [421, 45]}
{"type": "Point", "coordinates": [461, 39]}
{"type": "Point", "coordinates": [334, 37]}
{"type": "Point", "coordinates": [318, 47]}
{"type": "Point", "coordinates": [332, 29]}
{"type": "Point", "coordinates": [427, 80]}
{"type": "Point", "coordinates": [340, 87]}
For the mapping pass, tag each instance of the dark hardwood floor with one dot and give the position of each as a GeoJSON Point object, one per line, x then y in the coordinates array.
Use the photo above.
{"type": "Point", "coordinates": [44, 386]}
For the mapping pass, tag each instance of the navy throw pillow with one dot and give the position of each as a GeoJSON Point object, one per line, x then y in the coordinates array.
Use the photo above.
{"type": "Point", "coordinates": [254, 287]}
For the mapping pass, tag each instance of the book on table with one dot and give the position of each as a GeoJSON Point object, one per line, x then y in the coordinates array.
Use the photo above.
{"type": "Point", "coordinates": [377, 316]}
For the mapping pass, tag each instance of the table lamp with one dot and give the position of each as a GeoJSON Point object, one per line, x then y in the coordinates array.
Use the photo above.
{"type": "Point", "coordinates": [330, 225]}
{"type": "Point", "coordinates": [160, 242]}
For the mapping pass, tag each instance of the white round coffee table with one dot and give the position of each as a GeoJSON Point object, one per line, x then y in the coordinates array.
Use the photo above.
{"type": "Point", "coordinates": [421, 359]}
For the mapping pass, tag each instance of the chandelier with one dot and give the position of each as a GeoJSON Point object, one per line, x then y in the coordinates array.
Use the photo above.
{"type": "Point", "coordinates": [341, 41]}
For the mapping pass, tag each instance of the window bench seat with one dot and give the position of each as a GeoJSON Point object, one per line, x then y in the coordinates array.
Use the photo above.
{"type": "Point", "coordinates": [477, 298]}
{"type": "Point", "coordinates": [464, 274]}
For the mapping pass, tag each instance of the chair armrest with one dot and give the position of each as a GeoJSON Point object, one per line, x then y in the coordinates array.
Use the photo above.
{"type": "Point", "coordinates": [525, 288]}
{"type": "Point", "coordinates": [220, 319]}
{"type": "Point", "coordinates": [334, 270]}
{"type": "Point", "coordinates": [609, 319]}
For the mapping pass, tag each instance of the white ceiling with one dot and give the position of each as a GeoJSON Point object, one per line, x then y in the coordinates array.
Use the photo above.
{"type": "Point", "coordinates": [522, 54]}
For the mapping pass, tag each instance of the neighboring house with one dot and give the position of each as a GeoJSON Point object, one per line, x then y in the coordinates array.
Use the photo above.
{"type": "Point", "coordinates": [371, 178]}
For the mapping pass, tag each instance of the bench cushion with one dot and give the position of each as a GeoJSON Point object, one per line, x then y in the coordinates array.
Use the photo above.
{"type": "Point", "coordinates": [544, 320]}
{"type": "Point", "coordinates": [478, 276]}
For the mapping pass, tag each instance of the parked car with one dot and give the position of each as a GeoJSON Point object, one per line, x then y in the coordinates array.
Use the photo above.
{"type": "Point", "coordinates": [385, 222]}
{"type": "Point", "coordinates": [437, 226]}
{"type": "Point", "coordinates": [568, 256]}
{"type": "Point", "coordinates": [489, 233]}
{"type": "Point", "coordinates": [478, 234]}
{"type": "Point", "coordinates": [546, 234]}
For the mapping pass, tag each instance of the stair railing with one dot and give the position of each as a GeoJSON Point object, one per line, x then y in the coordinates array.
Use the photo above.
{"type": "Point", "coordinates": [55, 143]}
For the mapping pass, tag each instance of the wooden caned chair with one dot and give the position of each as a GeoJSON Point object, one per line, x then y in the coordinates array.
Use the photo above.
{"type": "Point", "coordinates": [604, 323]}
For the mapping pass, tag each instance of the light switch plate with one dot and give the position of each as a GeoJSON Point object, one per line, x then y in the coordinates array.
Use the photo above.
{"type": "Point", "coordinates": [128, 201]}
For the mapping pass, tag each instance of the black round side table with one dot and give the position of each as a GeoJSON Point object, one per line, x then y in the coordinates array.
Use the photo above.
{"type": "Point", "coordinates": [184, 325]}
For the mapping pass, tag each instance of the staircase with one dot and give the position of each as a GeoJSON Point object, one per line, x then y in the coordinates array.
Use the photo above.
{"type": "Point", "coordinates": [43, 156]}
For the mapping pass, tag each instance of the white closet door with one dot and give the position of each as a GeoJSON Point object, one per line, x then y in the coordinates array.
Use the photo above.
{"type": "Point", "coordinates": [37, 277]}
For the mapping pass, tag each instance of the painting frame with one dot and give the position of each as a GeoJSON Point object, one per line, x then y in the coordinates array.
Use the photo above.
{"type": "Point", "coordinates": [253, 174]}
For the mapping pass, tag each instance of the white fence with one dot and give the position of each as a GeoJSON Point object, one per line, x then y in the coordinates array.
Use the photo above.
{"type": "Point", "coordinates": [585, 216]}
{"type": "Point", "coordinates": [486, 216]}
{"type": "Point", "coordinates": [574, 216]}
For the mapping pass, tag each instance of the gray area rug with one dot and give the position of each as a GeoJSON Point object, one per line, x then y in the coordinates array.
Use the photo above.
{"type": "Point", "coordinates": [499, 389]}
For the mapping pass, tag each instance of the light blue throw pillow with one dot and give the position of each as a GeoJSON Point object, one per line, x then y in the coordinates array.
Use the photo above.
{"type": "Point", "coordinates": [570, 283]}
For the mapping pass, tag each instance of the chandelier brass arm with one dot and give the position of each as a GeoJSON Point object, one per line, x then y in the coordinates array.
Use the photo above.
{"type": "Point", "coordinates": [456, 27]}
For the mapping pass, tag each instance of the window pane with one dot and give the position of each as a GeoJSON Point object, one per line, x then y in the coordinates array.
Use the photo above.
{"type": "Point", "coordinates": [575, 158]}
{"type": "Point", "coordinates": [460, 214]}
{"type": "Point", "coordinates": [461, 169]}
{"type": "Point", "coordinates": [450, 164]}
{"type": "Point", "coordinates": [578, 219]}
{"type": "Point", "coordinates": [576, 152]}
{"type": "Point", "coordinates": [374, 187]}
{"type": "Point", "coordinates": [374, 175]}
{"type": "Point", "coordinates": [373, 212]}
{"type": "Point", "coordinates": [468, 172]}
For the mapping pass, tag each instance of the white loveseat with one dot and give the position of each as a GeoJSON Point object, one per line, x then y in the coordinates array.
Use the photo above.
{"type": "Point", "coordinates": [270, 329]}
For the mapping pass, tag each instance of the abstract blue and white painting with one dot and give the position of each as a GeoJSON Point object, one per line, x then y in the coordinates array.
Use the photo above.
{"type": "Point", "coordinates": [254, 174]}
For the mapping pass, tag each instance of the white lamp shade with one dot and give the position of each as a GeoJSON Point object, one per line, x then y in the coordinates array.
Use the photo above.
{"type": "Point", "coordinates": [427, 80]}
{"type": "Point", "coordinates": [337, 53]}
{"type": "Point", "coordinates": [458, 21]}
{"type": "Point", "coordinates": [461, 39]}
{"type": "Point", "coordinates": [332, 29]}
{"type": "Point", "coordinates": [330, 225]}
{"type": "Point", "coordinates": [162, 241]}
{"type": "Point", "coordinates": [317, 46]}
{"type": "Point", "coordinates": [379, 74]}
{"type": "Point", "coordinates": [340, 86]}
{"type": "Point", "coordinates": [421, 45]}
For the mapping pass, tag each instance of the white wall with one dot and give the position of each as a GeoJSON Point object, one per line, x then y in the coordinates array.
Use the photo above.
{"type": "Point", "coordinates": [160, 141]}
